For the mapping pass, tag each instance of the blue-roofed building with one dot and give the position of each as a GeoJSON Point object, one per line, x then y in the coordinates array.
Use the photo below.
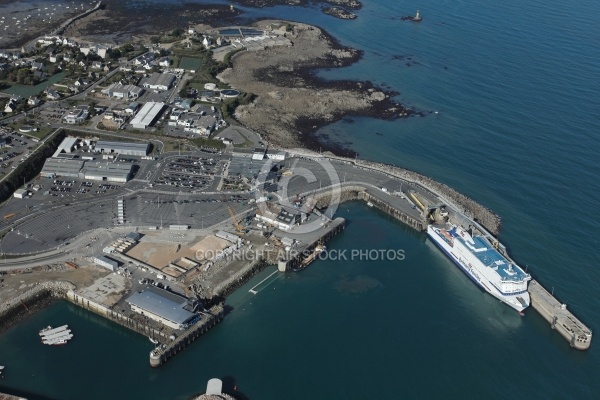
{"type": "Point", "coordinates": [162, 306]}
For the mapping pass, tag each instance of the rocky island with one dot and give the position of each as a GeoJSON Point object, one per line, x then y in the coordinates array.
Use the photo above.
{"type": "Point", "coordinates": [339, 13]}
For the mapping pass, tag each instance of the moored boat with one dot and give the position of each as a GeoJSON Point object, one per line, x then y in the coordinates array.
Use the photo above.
{"type": "Point", "coordinates": [483, 264]}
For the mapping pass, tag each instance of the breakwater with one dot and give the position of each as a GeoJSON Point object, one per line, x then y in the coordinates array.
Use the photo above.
{"type": "Point", "coordinates": [60, 30]}
{"type": "Point", "coordinates": [465, 205]}
{"type": "Point", "coordinates": [13, 310]}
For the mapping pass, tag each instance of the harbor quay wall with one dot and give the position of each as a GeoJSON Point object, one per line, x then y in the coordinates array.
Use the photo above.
{"type": "Point", "coordinates": [357, 192]}
{"type": "Point", "coordinates": [240, 277]}
{"type": "Point", "coordinates": [209, 319]}
{"type": "Point", "coordinates": [115, 316]}
{"type": "Point", "coordinates": [420, 225]}
{"type": "Point", "coordinates": [13, 310]}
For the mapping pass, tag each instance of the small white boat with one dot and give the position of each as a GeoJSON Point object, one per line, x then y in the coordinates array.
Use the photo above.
{"type": "Point", "coordinates": [1, 367]}
{"type": "Point", "coordinates": [153, 340]}
{"type": "Point", "coordinates": [57, 343]}
{"type": "Point", "coordinates": [46, 329]}
{"type": "Point", "coordinates": [370, 204]}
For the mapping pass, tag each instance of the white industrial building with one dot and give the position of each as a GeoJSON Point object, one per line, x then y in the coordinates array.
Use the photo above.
{"type": "Point", "coordinates": [66, 167]}
{"type": "Point", "coordinates": [162, 306]}
{"type": "Point", "coordinates": [76, 116]}
{"type": "Point", "coordinates": [107, 171]}
{"type": "Point", "coordinates": [276, 155]}
{"type": "Point", "coordinates": [121, 91]}
{"type": "Point", "coordinates": [92, 170]}
{"type": "Point", "coordinates": [283, 219]}
{"type": "Point", "coordinates": [123, 148]}
{"type": "Point", "coordinates": [106, 262]}
{"type": "Point", "coordinates": [259, 153]}
{"type": "Point", "coordinates": [146, 116]}
{"type": "Point", "coordinates": [158, 81]}
{"type": "Point", "coordinates": [67, 145]}
{"type": "Point", "coordinates": [20, 193]}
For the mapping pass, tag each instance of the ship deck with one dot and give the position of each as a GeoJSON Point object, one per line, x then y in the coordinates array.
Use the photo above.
{"type": "Point", "coordinates": [491, 258]}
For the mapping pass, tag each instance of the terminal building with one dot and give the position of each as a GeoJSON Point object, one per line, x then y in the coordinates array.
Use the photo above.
{"type": "Point", "coordinates": [165, 307]}
{"type": "Point", "coordinates": [123, 148]}
{"type": "Point", "coordinates": [147, 115]}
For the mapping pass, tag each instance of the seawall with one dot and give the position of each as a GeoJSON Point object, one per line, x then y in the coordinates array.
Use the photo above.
{"type": "Point", "coordinates": [25, 304]}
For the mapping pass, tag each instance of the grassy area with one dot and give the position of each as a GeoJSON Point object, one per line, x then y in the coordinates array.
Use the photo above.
{"type": "Point", "coordinates": [190, 63]}
{"type": "Point", "coordinates": [26, 90]}
{"type": "Point", "coordinates": [247, 143]}
{"type": "Point", "coordinates": [41, 132]}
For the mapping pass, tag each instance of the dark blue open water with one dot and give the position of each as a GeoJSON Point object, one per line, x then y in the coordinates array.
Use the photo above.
{"type": "Point", "coordinates": [516, 88]}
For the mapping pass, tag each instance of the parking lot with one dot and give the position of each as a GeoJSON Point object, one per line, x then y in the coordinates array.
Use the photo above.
{"type": "Point", "coordinates": [65, 188]}
{"type": "Point", "coordinates": [189, 172]}
{"type": "Point", "coordinates": [17, 148]}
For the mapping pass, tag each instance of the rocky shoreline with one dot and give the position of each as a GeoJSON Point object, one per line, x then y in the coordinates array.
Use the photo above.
{"type": "Point", "coordinates": [292, 101]}
{"type": "Point", "coordinates": [339, 13]}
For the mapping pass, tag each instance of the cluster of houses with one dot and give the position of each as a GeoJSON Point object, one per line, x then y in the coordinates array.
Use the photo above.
{"type": "Point", "coordinates": [14, 100]}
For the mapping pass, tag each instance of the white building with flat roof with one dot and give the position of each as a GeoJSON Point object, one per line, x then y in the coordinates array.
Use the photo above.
{"type": "Point", "coordinates": [162, 306]}
{"type": "Point", "coordinates": [147, 115]}
{"type": "Point", "coordinates": [106, 262]}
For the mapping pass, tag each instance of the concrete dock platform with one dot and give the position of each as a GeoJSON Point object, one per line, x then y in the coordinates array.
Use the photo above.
{"type": "Point", "coordinates": [572, 329]}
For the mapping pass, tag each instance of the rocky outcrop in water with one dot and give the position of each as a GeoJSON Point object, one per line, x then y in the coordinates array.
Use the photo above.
{"type": "Point", "coordinates": [339, 13]}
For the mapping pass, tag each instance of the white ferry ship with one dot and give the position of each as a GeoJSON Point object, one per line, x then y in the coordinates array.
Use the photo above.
{"type": "Point", "coordinates": [477, 258]}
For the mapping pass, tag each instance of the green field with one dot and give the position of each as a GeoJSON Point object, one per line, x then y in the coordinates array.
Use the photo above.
{"type": "Point", "coordinates": [190, 63]}
{"type": "Point", "coordinates": [26, 90]}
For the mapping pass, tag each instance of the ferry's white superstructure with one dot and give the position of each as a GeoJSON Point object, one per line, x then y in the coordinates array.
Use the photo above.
{"type": "Point", "coordinates": [477, 258]}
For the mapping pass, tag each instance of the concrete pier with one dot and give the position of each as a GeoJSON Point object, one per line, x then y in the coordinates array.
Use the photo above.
{"type": "Point", "coordinates": [572, 329]}
{"type": "Point", "coordinates": [117, 317]}
{"type": "Point", "coordinates": [209, 319]}
{"type": "Point", "coordinates": [294, 258]}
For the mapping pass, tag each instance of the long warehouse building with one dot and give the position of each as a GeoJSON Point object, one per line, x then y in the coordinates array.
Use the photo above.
{"type": "Point", "coordinates": [104, 171]}
{"type": "Point", "coordinates": [123, 148]}
{"type": "Point", "coordinates": [66, 167]}
{"type": "Point", "coordinates": [161, 306]}
{"type": "Point", "coordinates": [92, 170]}
{"type": "Point", "coordinates": [147, 115]}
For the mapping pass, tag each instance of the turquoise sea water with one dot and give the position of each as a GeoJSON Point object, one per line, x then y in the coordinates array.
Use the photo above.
{"type": "Point", "coordinates": [516, 88]}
